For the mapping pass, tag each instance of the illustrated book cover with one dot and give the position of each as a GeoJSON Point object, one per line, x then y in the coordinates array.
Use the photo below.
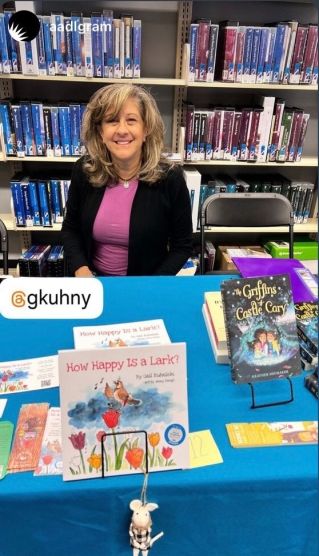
{"type": "Point", "coordinates": [50, 460]}
{"type": "Point", "coordinates": [307, 324]}
{"type": "Point", "coordinates": [249, 435]}
{"type": "Point", "coordinates": [107, 391]}
{"type": "Point", "coordinates": [29, 374]}
{"type": "Point", "coordinates": [261, 328]}
{"type": "Point", "coordinates": [149, 332]}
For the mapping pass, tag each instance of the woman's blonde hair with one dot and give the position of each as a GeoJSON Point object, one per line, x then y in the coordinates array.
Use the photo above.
{"type": "Point", "coordinates": [110, 99]}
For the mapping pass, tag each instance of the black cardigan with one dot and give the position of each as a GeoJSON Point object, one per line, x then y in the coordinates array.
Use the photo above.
{"type": "Point", "coordinates": [160, 217]}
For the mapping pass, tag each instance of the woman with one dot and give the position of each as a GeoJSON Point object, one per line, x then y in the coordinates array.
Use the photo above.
{"type": "Point", "coordinates": [128, 209]}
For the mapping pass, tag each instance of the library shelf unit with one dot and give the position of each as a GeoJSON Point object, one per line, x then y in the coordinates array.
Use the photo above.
{"type": "Point", "coordinates": [164, 73]}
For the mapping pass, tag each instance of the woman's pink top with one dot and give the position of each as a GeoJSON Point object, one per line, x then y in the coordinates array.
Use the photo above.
{"type": "Point", "coordinates": [111, 230]}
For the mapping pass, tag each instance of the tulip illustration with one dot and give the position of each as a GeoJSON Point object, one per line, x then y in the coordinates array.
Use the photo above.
{"type": "Point", "coordinates": [47, 459]}
{"type": "Point", "coordinates": [78, 443]}
{"type": "Point", "coordinates": [153, 438]}
{"type": "Point", "coordinates": [166, 453]}
{"type": "Point", "coordinates": [95, 461]}
{"type": "Point", "coordinates": [135, 457]}
{"type": "Point", "coordinates": [111, 418]}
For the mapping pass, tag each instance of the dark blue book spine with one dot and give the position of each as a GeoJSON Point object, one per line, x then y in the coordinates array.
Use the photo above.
{"type": "Point", "coordinates": [5, 65]}
{"type": "Point", "coordinates": [68, 47]}
{"type": "Point", "coordinates": [64, 126]}
{"type": "Point", "coordinates": [254, 54]}
{"type": "Point", "coordinates": [77, 43]}
{"type": "Point", "coordinates": [38, 127]}
{"type": "Point", "coordinates": [75, 119]}
{"type": "Point", "coordinates": [55, 131]}
{"type": "Point", "coordinates": [47, 38]}
{"type": "Point", "coordinates": [26, 203]}
{"type": "Point", "coordinates": [34, 203]}
{"type": "Point", "coordinates": [96, 20]}
{"type": "Point", "coordinates": [18, 205]}
{"type": "Point", "coordinates": [278, 51]}
{"type": "Point", "coordinates": [262, 54]}
{"type": "Point", "coordinates": [17, 125]}
{"type": "Point", "coordinates": [247, 53]}
{"type": "Point", "coordinates": [27, 127]}
{"type": "Point", "coordinates": [56, 201]}
{"type": "Point", "coordinates": [44, 203]}
{"type": "Point", "coordinates": [41, 49]}
{"type": "Point", "coordinates": [5, 118]}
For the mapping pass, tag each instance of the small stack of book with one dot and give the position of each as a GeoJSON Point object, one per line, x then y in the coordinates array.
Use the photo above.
{"type": "Point", "coordinates": [213, 313]}
{"type": "Point", "coordinates": [307, 328]}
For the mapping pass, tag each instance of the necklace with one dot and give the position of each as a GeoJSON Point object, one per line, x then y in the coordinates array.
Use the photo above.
{"type": "Point", "coordinates": [126, 181]}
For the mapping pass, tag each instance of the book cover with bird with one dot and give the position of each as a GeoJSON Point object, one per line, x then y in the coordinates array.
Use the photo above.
{"type": "Point", "coordinates": [261, 328]}
{"type": "Point", "coordinates": [108, 396]}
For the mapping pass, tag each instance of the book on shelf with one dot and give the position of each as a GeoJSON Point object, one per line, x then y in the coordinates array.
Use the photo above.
{"type": "Point", "coordinates": [127, 390]}
{"type": "Point", "coordinates": [307, 325]}
{"type": "Point", "coordinates": [261, 328]}
{"type": "Point", "coordinates": [287, 433]}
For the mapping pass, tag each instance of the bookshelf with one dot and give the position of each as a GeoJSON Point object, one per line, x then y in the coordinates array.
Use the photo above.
{"type": "Point", "coordinates": [165, 75]}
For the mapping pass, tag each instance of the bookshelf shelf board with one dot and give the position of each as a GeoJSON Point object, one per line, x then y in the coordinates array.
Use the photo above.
{"type": "Point", "coordinates": [249, 86]}
{"type": "Point", "coordinates": [306, 228]}
{"type": "Point", "coordinates": [104, 80]}
{"type": "Point", "coordinates": [306, 161]}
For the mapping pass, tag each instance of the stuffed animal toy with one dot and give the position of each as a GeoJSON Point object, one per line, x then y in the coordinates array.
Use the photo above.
{"type": "Point", "coordinates": [140, 528]}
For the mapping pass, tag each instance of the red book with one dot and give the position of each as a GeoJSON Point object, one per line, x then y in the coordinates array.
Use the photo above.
{"type": "Point", "coordinates": [310, 53]}
{"type": "Point", "coordinates": [243, 133]}
{"type": "Point", "coordinates": [253, 135]}
{"type": "Point", "coordinates": [295, 134]}
{"type": "Point", "coordinates": [235, 135]}
{"type": "Point", "coordinates": [298, 54]}
{"type": "Point", "coordinates": [202, 49]}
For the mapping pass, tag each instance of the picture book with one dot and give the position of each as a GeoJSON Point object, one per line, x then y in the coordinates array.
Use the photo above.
{"type": "Point", "coordinates": [148, 332]}
{"type": "Point", "coordinates": [250, 435]}
{"type": "Point", "coordinates": [220, 354]}
{"type": "Point", "coordinates": [109, 396]}
{"type": "Point", "coordinates": [213, 302]}
{"type": "Point", "coordinates": [50, 460]}
{"type": "Point", "coordinates": [307, 324]}
{"type": "Point", "coordinates": [261, 328]}
{"type": "Point", "coordinates": [6, 433]}
{"type": "Point", "coordinates": [29, 374]}
{"type": "Point", "coordinates": [27, 441]}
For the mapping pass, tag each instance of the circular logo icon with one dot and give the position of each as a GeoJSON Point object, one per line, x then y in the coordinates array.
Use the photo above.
{"type": "Point", "coordinates": [175, 434]}
{"type": "Point", "coordinates": [24, 26]}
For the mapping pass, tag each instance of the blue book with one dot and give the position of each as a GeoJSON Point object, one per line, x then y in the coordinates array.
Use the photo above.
{"type": "Point", "coordinates": [264, 38]}
{"type": "Point", "coordinates": [41, 49]}
{"type": "Point", "coordinates": [68, 47]}
{"type": "Point", "coordinates": [26, 202]}
{"type": "Point", "coordinates": [137, 47]}
{"type": "Point", "coordinates": [56, 201]}
{"type": "Point", "coordinates": [77, 44]}
{"type": "Point", "coordinates": [5, 119]}
{"type": "Point", "coordinates": [47, 38]}
{"type": "Point", "coordinates": [44, 202]}
{"type": "Point", "coordinates": [4, 51]}
{"type": "Point", "coordinates": [59, 44]}
{"type": "Point", "coordinates": [34, 203]}
{"type": "Point", "coordinates": [278, 51]}
{"type": "Point", "coordinates": [96, 21]}
{"type": "Point", "coordinates": [13, 48]}
{"type": "Point", "coordinates": [82, 110]}
{"type": "Point", "coordinates": [75, 120]}
{"type": "Point", "coordinates": [193, 50]}
{"type": "Point", "coordinates": [18, 205]}
{"type": "Point", "coordinates": [269, 55]}
{"type": "Point", "coordinates": [64, 126]}
{"type": "Point", "coordinates": [38, 127]}
{"type": "Point", "coordinates": [254, 54]}
{"type": "Point", "coordinates": [57, 151]}
{"type": "Point", "coordinates": [27, 128]}
{"type": "Point", "coordinates": [18, 131]}
{"type": "Point", "coordinates": [247, 53]}
{"type": "Point", "coordinates": [108, 21]}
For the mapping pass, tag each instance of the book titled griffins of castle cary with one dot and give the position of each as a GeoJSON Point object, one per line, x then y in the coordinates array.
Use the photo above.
{"type": "Point", "coordinates": [261, 328]}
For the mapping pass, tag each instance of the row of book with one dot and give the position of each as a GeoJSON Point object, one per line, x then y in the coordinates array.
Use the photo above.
{"type": "Point", "coordinates": [35, 129]}
{"type": "Point", "coordinates": [286, 52]}
{"type": "Point", "coordinates": [269, 131]}
{"type": "Point", "coordinates": [95, 46]}
{"type": "Point", "coordinates": [38, 202]}
{"type": "Point", "coordinates": [42, 260]}
{"type": "Point", "coordinates": [201, 186]}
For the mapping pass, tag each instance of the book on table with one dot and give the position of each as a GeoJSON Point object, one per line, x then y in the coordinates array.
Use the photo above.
{"type": "Point", "coordinates": [291, 433]}
{"type": "Point", "coordinates": [307, 325]}
{"type": "Point", "coordinates": [261, 328]}
{"type": "Point", "coordinates": [220, 354]}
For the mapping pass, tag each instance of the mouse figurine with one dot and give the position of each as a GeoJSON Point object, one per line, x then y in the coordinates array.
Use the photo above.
{"type": "Point", "coordinates": [141, 527]}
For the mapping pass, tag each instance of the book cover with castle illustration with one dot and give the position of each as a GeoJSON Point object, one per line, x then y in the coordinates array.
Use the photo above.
{"type": "Point", "coordinates": [107, 391]}
{"type": "Point", "coordinates": [261, 328]}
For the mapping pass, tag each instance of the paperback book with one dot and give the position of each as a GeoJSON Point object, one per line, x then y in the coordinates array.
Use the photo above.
{"type": "Point", "coordinates": [261, 328]}
{"type": "Point", "coordinates": [307, 324]}
{"type": "Point", "coordinates": [291, 433]}
{"type": "Point", "coordinates": [120, 393]}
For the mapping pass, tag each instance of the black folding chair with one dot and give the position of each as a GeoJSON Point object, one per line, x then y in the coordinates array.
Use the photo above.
{"type": "Point", "coordinates": [4, 246]}
{"type": "Point", "coordinates": [248, 210]}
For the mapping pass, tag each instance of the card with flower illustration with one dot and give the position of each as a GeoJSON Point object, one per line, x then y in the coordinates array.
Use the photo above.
{"type": "Point", "coordinates": [29, 374]}
{"type": "Point", "coordinates": [123, 391]}
{"type": "Point", "coordinates": [50, 461]}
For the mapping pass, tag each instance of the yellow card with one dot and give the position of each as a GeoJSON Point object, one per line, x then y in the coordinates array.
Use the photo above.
{"type": "Point", "coordinates": [203, 449]}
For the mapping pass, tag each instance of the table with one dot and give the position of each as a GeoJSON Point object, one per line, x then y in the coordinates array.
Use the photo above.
{"type": "Point", "coordinates": [259, 502]}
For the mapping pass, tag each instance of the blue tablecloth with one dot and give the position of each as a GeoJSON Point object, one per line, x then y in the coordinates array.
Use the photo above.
{"type": "Point", "coordinates": [259, 502]}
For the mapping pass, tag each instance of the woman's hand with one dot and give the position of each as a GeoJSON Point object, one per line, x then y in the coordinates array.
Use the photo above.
{"type": "Point", "coordinates": [83, 272]}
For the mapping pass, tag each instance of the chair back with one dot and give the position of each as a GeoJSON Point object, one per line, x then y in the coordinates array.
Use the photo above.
{"type": "Point", "coordinates": [4, 246]}
{"type": "Point", "coordinates": [246, 210]}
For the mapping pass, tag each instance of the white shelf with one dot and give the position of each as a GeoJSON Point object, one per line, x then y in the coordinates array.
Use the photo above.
{"type": "Point", "coordinates": [307, 228]}
{"type": "Point", "coordinates": [163, 82]}
{"type": "Point", "coordinates": [306, 161]}
{"type": "Point", "coordinates": [137, 81]}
